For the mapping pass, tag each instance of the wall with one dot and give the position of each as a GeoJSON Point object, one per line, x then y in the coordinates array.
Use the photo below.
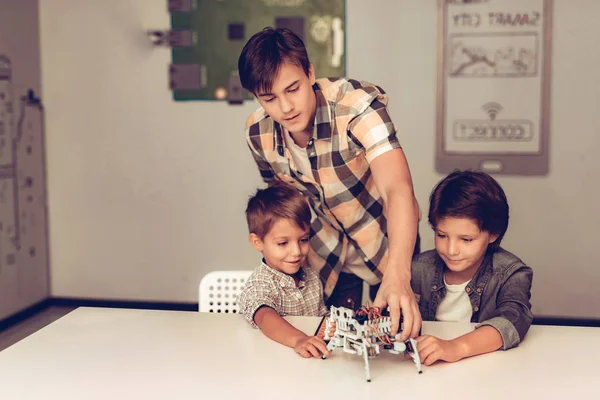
{"type": "Point", "coordinates": [147, 195]}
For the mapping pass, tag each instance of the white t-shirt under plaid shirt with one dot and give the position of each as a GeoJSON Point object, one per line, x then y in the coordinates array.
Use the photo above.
{"type": "Point", "coordinates": [271, 288]}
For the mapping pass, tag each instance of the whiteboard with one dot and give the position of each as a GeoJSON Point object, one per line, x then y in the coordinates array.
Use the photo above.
{"type": "Point", "coordinates": [493, 86]}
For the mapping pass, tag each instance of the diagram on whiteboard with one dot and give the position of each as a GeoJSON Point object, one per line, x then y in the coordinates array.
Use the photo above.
{"type": "Point", "coordinates": [494, 86]}
{"type": "Point", "coordinates": [494, 55]}
{"type": "Point", "coordinates": [23, 213]}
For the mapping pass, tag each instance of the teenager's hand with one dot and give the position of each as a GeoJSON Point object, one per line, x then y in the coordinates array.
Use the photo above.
{"type": "Point", "coordinates": [311, 346]}
{"type": "Point", "coordinates": [328, 334]}
{"type": "Point", "coordinates": [332, 329]}
{"type": "Point", "coordinates": [432, 349]}
{"type": "Point", "coordinates": [395, 292]}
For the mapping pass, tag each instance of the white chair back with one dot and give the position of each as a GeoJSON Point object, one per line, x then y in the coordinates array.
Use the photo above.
{"type": "Point", "coordinates": [219, 290]}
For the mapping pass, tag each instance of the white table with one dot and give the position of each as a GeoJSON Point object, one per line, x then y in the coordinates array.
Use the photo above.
{"type": "Point", "coordinates": [100, 353]}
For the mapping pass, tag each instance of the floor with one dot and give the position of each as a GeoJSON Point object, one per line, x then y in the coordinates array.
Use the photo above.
{"type": "Point", "coordinates": [21, 330]}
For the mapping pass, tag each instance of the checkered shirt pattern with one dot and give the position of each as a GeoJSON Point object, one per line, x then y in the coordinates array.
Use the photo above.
{"type": "Point", "coordinates": [271, 288]}
{"type": "Point", "coordinates": [352, 127]}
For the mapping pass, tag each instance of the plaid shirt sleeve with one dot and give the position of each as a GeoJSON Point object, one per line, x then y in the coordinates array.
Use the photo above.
{"type": "Point", "coordinates": [255, 143]}
{"type": "Point", "coordinates": [256, 294]}
{"type": "Point", "coordinates": [264, 168]}
{"type": "Point", "coordinates": [374, 129]}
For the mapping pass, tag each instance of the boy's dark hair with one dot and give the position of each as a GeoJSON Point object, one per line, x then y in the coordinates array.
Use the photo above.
{"type": "Point", "coordinates": [263, 55]}
{"type": "Point", "coordinates": [273, 203]}
{"type": "Point", "coordinates": [473, 195]}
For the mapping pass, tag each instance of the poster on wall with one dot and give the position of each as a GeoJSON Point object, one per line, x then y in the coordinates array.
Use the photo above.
{"type": "Point", "coordinates": [494, 86]}
{"type": "Point", "coordinates": [23, 210]}
{"type": "Point", "coordinates": [207, 37]}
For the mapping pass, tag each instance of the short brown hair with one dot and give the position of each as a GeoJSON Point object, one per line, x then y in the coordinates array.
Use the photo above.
{"type": "Point", "coordinates": [273, 203]}
{"type": "Point", "coordinates": [473, 195]}
{"type": "Point", "coordinates": [263, 55]}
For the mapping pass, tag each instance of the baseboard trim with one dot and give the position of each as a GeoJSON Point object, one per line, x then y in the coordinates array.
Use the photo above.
{"type": "Point", "coordinates": [563, 321]}
{"type": "Point", "coordinates": [144, 305]}
{"type": "Point", "coordinates": [24, 314]}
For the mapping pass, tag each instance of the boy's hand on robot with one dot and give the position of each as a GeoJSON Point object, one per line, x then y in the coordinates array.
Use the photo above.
{"type": "Point", "coordinates": [311, 346]}
{"type": "Point", "coordinates": [432, 349]}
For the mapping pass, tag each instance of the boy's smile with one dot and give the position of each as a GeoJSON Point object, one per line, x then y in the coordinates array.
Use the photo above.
{"type": "Point", "coordinates": [284, 247]}
{"type": "Point", "coordinates": [462, 246]}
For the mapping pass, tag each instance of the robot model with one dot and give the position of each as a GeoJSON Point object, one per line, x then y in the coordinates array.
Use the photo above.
{"type": "Point", "coordinates": [364, 332]}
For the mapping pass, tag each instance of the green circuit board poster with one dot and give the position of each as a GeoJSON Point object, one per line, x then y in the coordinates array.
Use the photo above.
{"type": "Point", "coordinates": [207, 37]}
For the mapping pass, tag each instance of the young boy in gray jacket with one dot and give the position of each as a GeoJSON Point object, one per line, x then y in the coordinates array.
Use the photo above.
{"type": "Point", "coordinates": [469, 277]}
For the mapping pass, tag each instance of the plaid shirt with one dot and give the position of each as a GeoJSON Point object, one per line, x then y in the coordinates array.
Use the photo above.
{"type": "Point", "coordinates": [271, 288]}
{"type": "Point", "coordinates": [352, 127]}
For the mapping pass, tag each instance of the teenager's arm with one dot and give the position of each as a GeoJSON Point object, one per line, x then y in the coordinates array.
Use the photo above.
{"type": "Point", "coordinates": [392, 178]}
{"type": "Point", "coordinates": [266, 172]}
{"type": "Point", "coordinates": [483, 340]}
{"type": "Point", "coordinates": [278, 329]}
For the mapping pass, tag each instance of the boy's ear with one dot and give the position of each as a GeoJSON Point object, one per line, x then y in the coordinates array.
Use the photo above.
{"type": "Point", "coordinates": [311, 74]}
{"type": "Point", "coordinates": [493, 237]}
{"type": "Point", "coordinates": [255, 241]}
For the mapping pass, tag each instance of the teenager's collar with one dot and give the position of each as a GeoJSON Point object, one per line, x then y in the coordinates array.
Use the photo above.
{"type": "Point", "coordinates": [323, 126]}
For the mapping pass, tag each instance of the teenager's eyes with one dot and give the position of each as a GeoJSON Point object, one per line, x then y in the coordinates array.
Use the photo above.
{"type": "Point", "coordinates": [294, 89]}
{"type": "Point", "coordinates": [281, 243]}
{"type": "Point", "coordinates": [270, 99]}
{"type": "Point", "coordinates": [467, 240]}
{"type": "Point", "coordinates": [305, 240]}
{"type": "Point", "coordinates": [440, 235]}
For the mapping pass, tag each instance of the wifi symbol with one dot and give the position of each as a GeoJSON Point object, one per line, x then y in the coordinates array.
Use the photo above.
{"type": "Point", "coordinates": [492, 108]}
